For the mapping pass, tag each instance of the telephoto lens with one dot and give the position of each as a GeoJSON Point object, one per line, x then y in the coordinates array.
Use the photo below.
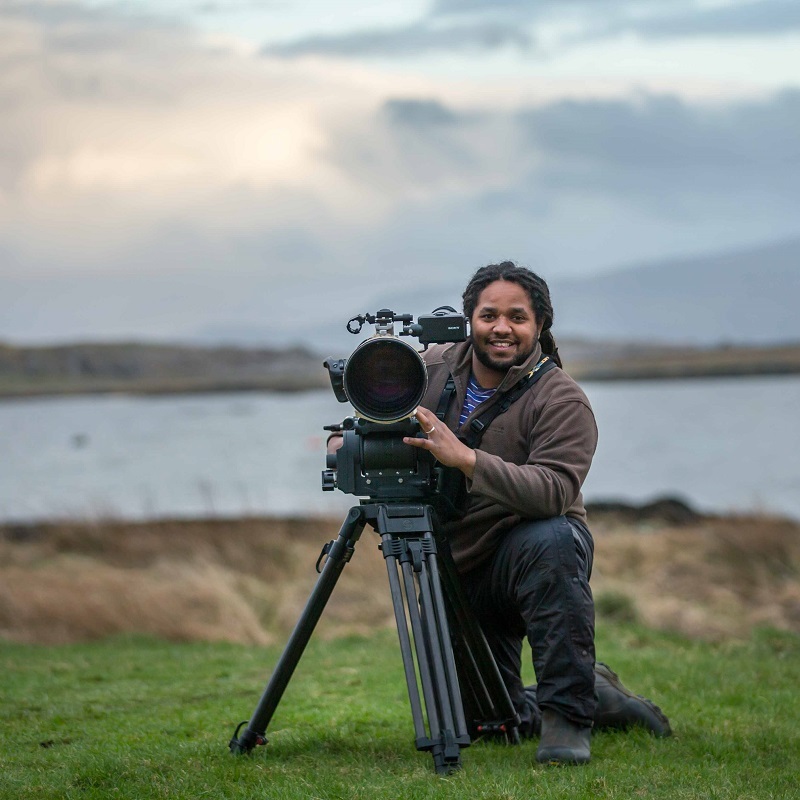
{"type": "Point", "coordinates": [385, 379]}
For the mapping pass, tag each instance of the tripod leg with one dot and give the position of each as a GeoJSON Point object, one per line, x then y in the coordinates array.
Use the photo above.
{"type": "Point", "coordinates": [420, 596]}
{"type": "Point", "coordinates": [405, 650]}
{"type": "Point", "coordinates": [339, 554]}
{"type": "Point", "coordinates": [488, 695]}
{"type": "Point", "coordinates": [449, 663]}
{"type": "Point", "coordinates": [450, 734]}
{"type": "Point", "coordinates": [425, 657]}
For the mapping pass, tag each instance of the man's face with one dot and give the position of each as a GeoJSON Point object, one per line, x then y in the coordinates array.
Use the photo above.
{"type": "Point", "coordinates": [504, 331]}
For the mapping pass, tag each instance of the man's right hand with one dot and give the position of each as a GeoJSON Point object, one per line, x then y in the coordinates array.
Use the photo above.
{"type": "Point", "coordinates": [445, 446]}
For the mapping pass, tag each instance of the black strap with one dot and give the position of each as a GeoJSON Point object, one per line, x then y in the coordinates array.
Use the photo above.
{"type": "Point", "coordinates": [452, 486]}
{"type": "Point", "coordinates": [447, 395]}
{"type": "Point", "coordinates": [479, 425]}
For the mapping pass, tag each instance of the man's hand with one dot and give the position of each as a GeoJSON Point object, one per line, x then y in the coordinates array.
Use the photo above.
{"type": "Point", "coordinates": [443, 443]}
{"type": "Point", "coordinates": [335, 441]}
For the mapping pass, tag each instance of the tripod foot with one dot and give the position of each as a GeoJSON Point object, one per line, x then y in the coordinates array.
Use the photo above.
{"type": "Point", "coordinates": [242, 745]}
{"type": "Point", "coordinates": [446, 751]}
{"type": "Point", "coordinates": [447, 767]}
{"type": "Point", "coordinates": [447, 759]}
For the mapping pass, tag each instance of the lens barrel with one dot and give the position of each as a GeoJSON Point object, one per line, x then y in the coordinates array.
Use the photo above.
{"type": "Point", "coordinates": [385, 379]}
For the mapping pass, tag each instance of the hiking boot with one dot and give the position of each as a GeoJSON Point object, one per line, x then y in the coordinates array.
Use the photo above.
{"type": "Point", "coordinates": [563, 741]}
{"type": "Point", "coordinates": [617, 707]}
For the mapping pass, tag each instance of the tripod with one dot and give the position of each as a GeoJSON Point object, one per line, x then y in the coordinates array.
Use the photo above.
{"type": "Point", "coordinates": [450, 661]}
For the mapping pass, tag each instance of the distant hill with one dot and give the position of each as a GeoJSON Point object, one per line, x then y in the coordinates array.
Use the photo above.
{"type": "Point", "coordinates": [745, 297]}
{"type": "Point", "coordinates": [136, 367]}
{"type": "Point", "coordinates": [726, 314]}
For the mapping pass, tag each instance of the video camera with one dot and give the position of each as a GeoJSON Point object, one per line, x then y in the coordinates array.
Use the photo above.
{"type": "Point", "coordinates": [384, 380]}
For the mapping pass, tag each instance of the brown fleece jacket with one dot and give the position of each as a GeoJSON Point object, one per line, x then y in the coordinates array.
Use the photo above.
{"type": "Point", "coordinates": [532, 459]}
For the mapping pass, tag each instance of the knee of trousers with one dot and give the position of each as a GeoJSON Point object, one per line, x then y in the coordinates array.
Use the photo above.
{"type": "Point", "coordinates": [547, 546]}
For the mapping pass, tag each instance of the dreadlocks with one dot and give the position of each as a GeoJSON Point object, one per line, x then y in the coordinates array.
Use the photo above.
{"type": "Point", "coordinates": [535, 287]}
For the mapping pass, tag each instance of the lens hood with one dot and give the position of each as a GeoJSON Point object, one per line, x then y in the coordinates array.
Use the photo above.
{"type": "Point", "coordinates": [385, 379]}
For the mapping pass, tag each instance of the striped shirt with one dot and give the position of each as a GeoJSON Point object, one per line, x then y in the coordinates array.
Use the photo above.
{"type": "Point", "coordinates": [476, 395]}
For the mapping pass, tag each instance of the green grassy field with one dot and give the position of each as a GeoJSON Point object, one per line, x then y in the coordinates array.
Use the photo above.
{"type": "Point", "coordinates": [142, 718]}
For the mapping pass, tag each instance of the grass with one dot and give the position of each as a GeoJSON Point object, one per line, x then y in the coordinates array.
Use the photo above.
{"type": "Point", "coordinates": [141, 718]}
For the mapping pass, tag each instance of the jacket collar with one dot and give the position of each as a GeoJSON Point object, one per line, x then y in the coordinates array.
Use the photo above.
{"type": "Point", "coordinates": [459, 359]}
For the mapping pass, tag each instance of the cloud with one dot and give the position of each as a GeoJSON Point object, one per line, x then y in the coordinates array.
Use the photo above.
{"type": "Point", "coordinates": [73, 26]}
{"type": "Point", "coordinates": [650, 155]}
{"type": "Point", "coordinates": [420, 113]}
{"type": "Point", "coordinates": [658, 146]}
{"type": "Point", "coordinates": [661, 146]}
{"type": "Point", "coordinates": [653, 18]}
{"type": "Point", "coordinates": [99, 148]}
{"type": "Point", "coordinates": [760, 18]}
{"type": "Point", "coordinates": [409, 40]}
{"type": "Point", "coordinates": [579, 183]}
{"type": "Point", "coordinates": [453, 26]}
{"type": "Point", "coordinates": [529, 10]}
{"type": "Point", "coordinates": [219, 180]}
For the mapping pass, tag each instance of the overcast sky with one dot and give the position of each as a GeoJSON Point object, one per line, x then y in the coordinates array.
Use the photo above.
{"type": "Point", "coordinates": [176, 167]}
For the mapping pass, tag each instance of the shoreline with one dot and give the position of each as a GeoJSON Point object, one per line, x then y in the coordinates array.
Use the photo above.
{"type": "Point", "coordinates": [154, 370]}
{"type": "Point", "coordinates": [681, 364]}
{"type": "Point", "coordinates": [659, 510]}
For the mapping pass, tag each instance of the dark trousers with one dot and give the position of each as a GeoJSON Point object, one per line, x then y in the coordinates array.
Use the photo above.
{"type": "Point", "coordinates": [537, 585]}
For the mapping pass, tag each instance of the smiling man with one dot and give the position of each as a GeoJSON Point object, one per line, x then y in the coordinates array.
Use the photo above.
{"type": "Point", "coordinates": [522, 547]}
{"type": "Point", "coordinates": [504, 331]}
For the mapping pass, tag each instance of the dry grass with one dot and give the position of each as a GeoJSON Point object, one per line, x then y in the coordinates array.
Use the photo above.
{"type": "Point", "coordinates": [242, 581]}
{"type": "Point", "coordinates": [713, 578]}
{"type": "Point", "coordinates": [247, 580]}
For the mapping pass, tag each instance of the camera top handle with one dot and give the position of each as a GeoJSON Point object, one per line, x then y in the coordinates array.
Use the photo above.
{"type": "Point", "coordinates": [382, 320]}
{"type": "Point", "coordinates": [443, 324]}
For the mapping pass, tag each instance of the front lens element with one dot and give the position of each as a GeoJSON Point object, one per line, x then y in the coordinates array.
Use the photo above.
{"type": "Point", "coordinates": [385, 379]}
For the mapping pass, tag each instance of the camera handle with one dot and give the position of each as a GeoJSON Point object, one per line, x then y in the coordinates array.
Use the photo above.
{"type": "Point", "coordinates": [448, 644]}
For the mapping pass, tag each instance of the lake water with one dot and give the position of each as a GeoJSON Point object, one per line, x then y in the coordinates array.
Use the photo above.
{"type": "Point", "coordinates": [721, 444]}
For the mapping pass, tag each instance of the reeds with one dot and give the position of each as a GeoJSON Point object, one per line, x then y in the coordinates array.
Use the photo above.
{"type": "Point", "coordinates": [246, 580]}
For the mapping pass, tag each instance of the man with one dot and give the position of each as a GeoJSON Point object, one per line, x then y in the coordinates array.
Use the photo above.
{"type": "Point", "coordinates": [522, 548]}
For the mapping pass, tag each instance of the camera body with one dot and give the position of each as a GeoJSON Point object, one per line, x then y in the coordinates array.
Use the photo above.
{"type": "Point", "coordinates": [384, 380]}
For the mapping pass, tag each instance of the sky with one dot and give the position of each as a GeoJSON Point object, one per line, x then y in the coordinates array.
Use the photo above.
{"type": "Point", "coordinates": [247, 171]}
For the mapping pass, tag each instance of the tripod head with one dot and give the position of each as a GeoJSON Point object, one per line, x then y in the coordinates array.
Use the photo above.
{"type": "Point", "coordinates": [374, 462]}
